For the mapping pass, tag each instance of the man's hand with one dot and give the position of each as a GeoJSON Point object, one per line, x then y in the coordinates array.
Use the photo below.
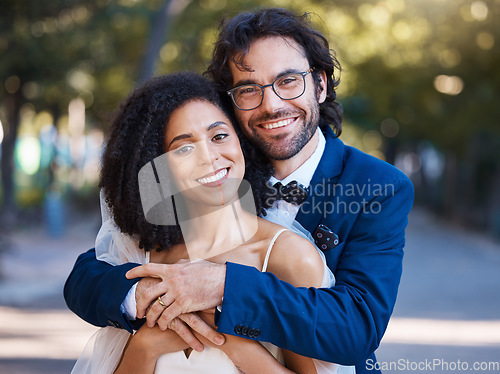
{"type": "Point", "coordinates": [142, 293]}
{"type": "Point", "coordinates": [186, 325]}
{"type": "Point", "coordinates": [184, 288]}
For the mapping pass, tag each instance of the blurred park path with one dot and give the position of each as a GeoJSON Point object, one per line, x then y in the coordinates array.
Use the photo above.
{"type": "Point", "coordinates": [447, 316]}
{"type": "Point", "coordinates": [448, 307]}
{"type": "Point", "coordinates": [38, 334]}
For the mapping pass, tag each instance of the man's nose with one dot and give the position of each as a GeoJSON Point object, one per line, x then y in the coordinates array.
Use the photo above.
{"type": "Point", "coordinates": [271, 101]}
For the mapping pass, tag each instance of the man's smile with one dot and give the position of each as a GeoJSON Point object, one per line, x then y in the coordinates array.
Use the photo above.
{"type": "Point", "coordinates": [277, 124]}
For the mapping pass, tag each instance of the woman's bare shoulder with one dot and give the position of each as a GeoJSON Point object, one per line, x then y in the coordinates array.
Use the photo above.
{"type": "Point", "coordinates": [295, 260]}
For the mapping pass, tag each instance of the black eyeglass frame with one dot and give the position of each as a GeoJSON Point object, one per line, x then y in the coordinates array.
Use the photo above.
{"type": "Point", "coordinates": [303, 74]}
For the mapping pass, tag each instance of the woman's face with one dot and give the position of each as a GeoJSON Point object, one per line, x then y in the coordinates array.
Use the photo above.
{"type": "Point", "coordinates": [204, 153]}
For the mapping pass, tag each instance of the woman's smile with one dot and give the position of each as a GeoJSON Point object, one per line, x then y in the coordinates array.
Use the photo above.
{"type": "Point", "coordinates": [214, 179]}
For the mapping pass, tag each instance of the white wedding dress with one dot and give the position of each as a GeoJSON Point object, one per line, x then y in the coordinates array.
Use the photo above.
{"type": "Point", "coordinates": [104, 350]}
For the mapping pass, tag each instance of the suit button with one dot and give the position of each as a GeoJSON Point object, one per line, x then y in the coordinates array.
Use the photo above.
{"type": "Point", "coordinates": [244, 331]}
{"type": "Point", "coordinates": [251, 333]}
{"type": "Point", "coordinates": [237, 329]}
{"type": "Point", "coordinates": [256, 333]}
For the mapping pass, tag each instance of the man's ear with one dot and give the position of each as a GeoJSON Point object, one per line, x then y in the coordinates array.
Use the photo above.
{"type": "Point", "coordinates": [321, 86]}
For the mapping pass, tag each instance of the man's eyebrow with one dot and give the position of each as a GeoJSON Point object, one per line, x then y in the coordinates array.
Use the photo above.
{"type": "Point", "coordinates": [283, 73]}
{"type": "Point", "coordinates": [189, 135]}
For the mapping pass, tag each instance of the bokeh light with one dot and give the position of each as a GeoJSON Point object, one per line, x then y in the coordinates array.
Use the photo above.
{"type": "Point", "coordinates": [28, 154]}
{"type": "Point", "coordinates": [449, 85]}
{"type": "Point", "coordinates": [479, 10]}
{"type": "Point", "coordinates": [389, 127]}
{"type": "Point", "coordinates": [485, 40]}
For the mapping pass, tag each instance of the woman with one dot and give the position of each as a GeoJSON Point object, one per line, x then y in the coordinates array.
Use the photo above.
{"type": "Point", "coordinates": [175, 134]}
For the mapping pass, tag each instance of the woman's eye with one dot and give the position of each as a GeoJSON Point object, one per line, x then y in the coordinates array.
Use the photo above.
{"type": "Point", "coordinates": [182, 151]}
{"type": "Point", "coordinates": [220, 137]}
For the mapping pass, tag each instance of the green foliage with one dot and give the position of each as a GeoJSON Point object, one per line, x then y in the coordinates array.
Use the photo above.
{"type": "Point", "coordinates": [427, 69]}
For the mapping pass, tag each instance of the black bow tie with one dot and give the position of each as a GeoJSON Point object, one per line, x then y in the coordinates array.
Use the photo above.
{"type": "Point", "coordinates": [293, 193]}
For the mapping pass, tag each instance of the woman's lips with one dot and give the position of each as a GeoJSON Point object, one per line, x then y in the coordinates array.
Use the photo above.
{"type": "Point", "coordinates": [214, 179]}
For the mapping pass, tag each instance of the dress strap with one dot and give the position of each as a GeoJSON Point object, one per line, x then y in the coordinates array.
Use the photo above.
{"type": "Point", "coordinates": [148, 257]}
{"type": "Point", "coordinates": [266, 260]}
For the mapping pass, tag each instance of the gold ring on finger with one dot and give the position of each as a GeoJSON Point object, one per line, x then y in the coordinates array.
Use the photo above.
{"type": "Point", "coordinates": [160, 301]}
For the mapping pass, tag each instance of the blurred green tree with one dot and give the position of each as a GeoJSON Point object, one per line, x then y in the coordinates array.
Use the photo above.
{"type": "Point", "coordinates": [418, 76]}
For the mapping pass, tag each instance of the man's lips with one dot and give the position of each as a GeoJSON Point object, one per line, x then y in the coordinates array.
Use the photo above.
{"type": "Point", "coordinates": [277, 124]}
{"type": "Point", "coordinates": [215, 178]}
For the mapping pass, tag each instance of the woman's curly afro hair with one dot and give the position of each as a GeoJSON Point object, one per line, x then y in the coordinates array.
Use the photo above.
{"type": "Point", "coordinates": [138, 136]}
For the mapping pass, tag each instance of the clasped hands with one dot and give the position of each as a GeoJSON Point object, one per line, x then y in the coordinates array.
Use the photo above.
{"type": "Point", "coordinates": [184, 288]}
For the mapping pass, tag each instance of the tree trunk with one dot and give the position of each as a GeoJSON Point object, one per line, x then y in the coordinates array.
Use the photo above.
{"type": "Point", "coordinates": [159, 28]}
{"type": "Point", "coordinates": [450, 186]}
{"type": "Point", "coordinates": [494, 204]}
{"type": "Point", "coordinates": [159, 33]}
{"type": "Point", "coordinates": [13, 104]}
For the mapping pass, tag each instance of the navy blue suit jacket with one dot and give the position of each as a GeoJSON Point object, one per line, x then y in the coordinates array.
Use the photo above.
{"type": "Point", "coordinates": [366, 202]}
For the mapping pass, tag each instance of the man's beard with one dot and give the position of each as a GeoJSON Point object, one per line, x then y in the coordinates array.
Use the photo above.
{"type": "Point", "coordinates": [295, 144]}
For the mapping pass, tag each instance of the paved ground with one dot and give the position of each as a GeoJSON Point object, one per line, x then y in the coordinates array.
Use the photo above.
{"type": "Point", "coordinates": [447, 317]}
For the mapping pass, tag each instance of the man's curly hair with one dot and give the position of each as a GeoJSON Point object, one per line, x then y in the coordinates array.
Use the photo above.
{"type": "Point", "coordinates": [137, 136]}
{"type": "Point", "coordinates": [237, 34]}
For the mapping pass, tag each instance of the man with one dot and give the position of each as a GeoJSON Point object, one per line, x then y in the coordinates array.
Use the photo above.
{"type": "Point", "coordinates": [278, 72]}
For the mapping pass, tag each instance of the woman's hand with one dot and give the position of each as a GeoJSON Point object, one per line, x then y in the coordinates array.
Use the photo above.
{"type": "Point", "coordinates": [145, 347]}
{"type": "Point", "coordinates": [156, 341]}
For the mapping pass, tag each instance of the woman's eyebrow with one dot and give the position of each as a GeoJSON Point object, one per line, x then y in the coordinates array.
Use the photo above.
{"type": "Point", "coordinates": [189, 135]}
{"type": "Point", "coordinates": [180, 137]}
{"type": "Point", "coordinates": [216, 124]}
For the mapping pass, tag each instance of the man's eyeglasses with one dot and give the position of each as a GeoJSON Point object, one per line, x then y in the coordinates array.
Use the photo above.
{"type": "Point", "coordinates": [287, 87]}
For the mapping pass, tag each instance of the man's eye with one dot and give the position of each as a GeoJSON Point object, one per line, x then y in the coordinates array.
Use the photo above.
{"type": "Point", "coordinates": [248, 90]}
{"type": "Point", "coordinates": [182, 151]}
{"type": "Point", "coordinates": [290, 79]}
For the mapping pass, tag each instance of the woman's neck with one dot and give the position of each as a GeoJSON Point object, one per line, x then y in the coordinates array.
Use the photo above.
{"type": "Point", "coordinates": [217, 230]}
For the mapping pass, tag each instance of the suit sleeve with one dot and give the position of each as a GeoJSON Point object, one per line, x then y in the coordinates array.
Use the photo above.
{"type": "Point", "coordinates": [343, 324]}
{"type": "Point", "coordinates": [95, 291]}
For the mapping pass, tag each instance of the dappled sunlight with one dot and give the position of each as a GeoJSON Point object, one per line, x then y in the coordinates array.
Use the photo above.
{"type": "Point", "coordinates": [57, 334]}
{"type": "Point", "coordinates": [375, 15]}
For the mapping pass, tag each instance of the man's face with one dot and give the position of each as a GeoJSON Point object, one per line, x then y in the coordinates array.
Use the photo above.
{"type": "Point", "coordinates": [280, 128]}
